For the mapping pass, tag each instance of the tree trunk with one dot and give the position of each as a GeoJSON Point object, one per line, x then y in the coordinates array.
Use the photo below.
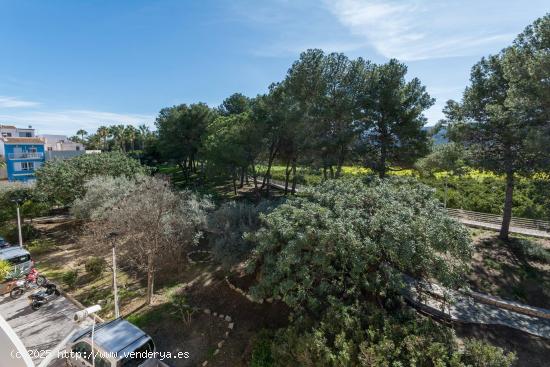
{"type": "Point", "coordinates": [382, 167]}
{"type": "Point", "coordinates": [234, 182]}
{"type": "Point", "coordinates": [272, 153]}
{"type": "Point", "coordinates": [287, 175]}
{"type": "Point", "coordinates": [508, 201]}
{"type": "Point", "coordinates": [150, 279]}
{"type": "Point", "coordinates": [294, 176]}
{"type": "Point", "coordinates": [242, 177]}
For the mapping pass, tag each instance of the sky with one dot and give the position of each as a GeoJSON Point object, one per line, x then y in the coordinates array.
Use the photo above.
{"type": "Point", "coordinates": [67, 65]}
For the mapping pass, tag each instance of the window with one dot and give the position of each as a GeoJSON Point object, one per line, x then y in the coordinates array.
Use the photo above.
{"type": "Point", "coordinates": [83, 350]}
{"type": "Point", "coordinates": [27, 166]}
{"type": "Point", "coordinates": [19, 259]}
{"type": "Point", "coordinates": [77, 147]}
{"type": "Point", "coordinates": [31, 150]}
{"type": "Point", "coordinates": [25, 135]}
{"type": "Point", "coordinates": [6, 135]}
{"type": "Point", "coordinates": [50, 149]}
{"type": "Point", "coordinates": [141, 354]}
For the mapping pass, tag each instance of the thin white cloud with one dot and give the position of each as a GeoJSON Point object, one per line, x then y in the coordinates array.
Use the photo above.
{"type": "Point", "coordinates": [412, 30]}
{"type": "Point", "coordinates": [14, 102]}
{"type": "Point", "coordinates": [69, 121]}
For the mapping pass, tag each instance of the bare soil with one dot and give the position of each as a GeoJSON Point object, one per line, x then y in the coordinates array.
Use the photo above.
{"type": "Point", "coordinates": [498, 268]}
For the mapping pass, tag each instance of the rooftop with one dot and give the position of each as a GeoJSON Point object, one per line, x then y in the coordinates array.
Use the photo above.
{"type": "Point", "coordinates": [7, 127]}
{"type": "Point", "coordinates": [12, 140]}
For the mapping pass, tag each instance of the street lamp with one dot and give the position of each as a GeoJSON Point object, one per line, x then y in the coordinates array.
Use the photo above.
{"type": "Point", "coordinates": [112, 237]}
{"type": "Point", "coordinates": [18, 202]}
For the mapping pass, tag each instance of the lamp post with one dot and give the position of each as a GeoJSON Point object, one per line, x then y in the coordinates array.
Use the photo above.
{"type": "Point", "coordinates": [17, 202]}
{"type": "Point", "coordinates": [112, 238]}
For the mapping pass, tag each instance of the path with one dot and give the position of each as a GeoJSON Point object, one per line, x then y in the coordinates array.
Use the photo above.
{"type": "Point", "coordinates": [461, 307]}
{"type": "Point", "coordinates": [471, 219]}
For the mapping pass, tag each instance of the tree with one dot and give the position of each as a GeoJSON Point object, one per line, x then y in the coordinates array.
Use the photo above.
{"type": "Point", "coordinates": [181, 133]}
{"type": "Point", "coordinates": [504, 112]}
{"type": "Point", "coordinates": [447, 159]}
{"type": "Point", "coordinates": [391, 118]}
{"type": "Point", "coordinates": [150, 226]}
{"type": "Point", "coordinates": [235, 104]}
{"type": "Point", "coordinates": [103, 132]}
{"type": "Point", "coordinates": [232, 144]}
{"type": "Point", "coordinates": [62, 181]}
{"type": "Point", "coordinates": [130, 135]}
{"type": "Point", "coordinates": [336, 256]}
{"type": "Point", "coordinates": [102, 194]}
{"type": "Point", "coordinates": [117, 132]}
{"type": "Point", "coordinates": [82, 134]}
{"type": "Point", "coordinates": [346, 241]}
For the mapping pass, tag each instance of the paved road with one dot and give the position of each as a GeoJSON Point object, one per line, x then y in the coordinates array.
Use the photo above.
{"type": "Point", "coordinates": [43, 329]}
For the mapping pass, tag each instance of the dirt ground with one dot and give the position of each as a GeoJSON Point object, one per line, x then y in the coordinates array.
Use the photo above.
{"type": "Point", "coordinates": [502, 269]}
{"type": "Point", "coordinates": [531, 351]}
{"type": "Point", "coordinates": [497, 269]}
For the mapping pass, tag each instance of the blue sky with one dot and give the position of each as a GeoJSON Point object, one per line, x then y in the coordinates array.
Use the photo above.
{"type": "Point", "coordinates": [66, 65]}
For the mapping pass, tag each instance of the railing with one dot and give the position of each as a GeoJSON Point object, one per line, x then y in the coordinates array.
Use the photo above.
{"type": "Point", "coordinates": [525, 223]}
{"type": "Point", "coordinates": [25, 155]}
{"type": "Point", "coordinates": [535, 224]}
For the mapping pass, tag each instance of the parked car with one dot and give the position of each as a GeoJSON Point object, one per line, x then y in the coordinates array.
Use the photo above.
{"type": "Point", "coordinates": [117, 343]}
{"type": "Point", "coordinates": [19, 258]}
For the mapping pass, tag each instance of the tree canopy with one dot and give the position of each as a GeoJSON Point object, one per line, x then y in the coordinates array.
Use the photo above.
{"type": "Point", "coordinates": [62, 181]}
{"type": "Point", "coordinates": [503, 115]}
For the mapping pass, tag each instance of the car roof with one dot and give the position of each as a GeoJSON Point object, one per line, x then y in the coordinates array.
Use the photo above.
{"type": "Point", "coordinates": [11, 252]}
{"type": "Point", "coordinates": [117, 336]}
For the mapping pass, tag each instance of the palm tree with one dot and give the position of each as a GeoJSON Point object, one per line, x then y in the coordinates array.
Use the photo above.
{"type": "Point", "coordinates": [103, 133]}
{"type": "Point", "coordinates": [117, 131]}
{"type": "Point", "coordinates": [82, 133]}
{"type": "Point", "coordinates": [144, 131]}
{"type": "Point", "coordinates": [130, 134]}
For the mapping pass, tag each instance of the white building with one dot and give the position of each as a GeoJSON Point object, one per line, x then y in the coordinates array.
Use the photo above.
{"type": "Point", "coordinates": [9, 131]}
{"type": "Point", "coordinates": [60, 143]}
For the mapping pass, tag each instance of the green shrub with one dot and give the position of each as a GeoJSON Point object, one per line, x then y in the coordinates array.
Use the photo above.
{"type": "Point", "coordinates": [227, 227]}
{"type": "Point", "coordinates": [40, 246]}
{"type": "Point", "coordinates": [262, 355]}
{"type": "Point", "coordinates": [5, 270]}
{"type": "Point", "coordinates": [70, 277]}
{"type": "Point", "coordinates": [180, 304]}
{"type": "Point", "coordinates": [28, 232]}
{"type": "Point", "coordinates": [95, 266]}
{"type": "Point", "coordinates": [526, 249]}
{"type": "Point", "coordinates": [480, 354]}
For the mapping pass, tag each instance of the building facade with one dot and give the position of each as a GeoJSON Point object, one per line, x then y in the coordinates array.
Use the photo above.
{"type": "Point", "coordinates": [23, 156]}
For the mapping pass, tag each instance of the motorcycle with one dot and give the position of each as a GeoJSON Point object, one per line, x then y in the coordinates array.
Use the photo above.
{"type": "Point", "coordinates": [32, 279]}
{"type": "Point", "coordinates": [40, 298]}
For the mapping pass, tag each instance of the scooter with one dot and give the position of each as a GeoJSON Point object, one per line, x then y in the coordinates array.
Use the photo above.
{"type": "Point", "coordinates": [40, 298]}
{"type": "Point", "coordinates": [21, 285]}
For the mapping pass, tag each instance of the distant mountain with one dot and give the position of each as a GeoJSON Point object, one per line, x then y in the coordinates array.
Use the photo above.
{"type": "Point", "coordinates": [438, 138]}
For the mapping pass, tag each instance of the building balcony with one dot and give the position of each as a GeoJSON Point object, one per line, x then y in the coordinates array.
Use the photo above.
{"type": "Point", "coordinates": [24, 155]}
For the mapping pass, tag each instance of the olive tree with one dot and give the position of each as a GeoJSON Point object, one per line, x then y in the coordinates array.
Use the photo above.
{"type": "Point", "coordinates": [336, 255]}
{"type": "Point", "coordinates": [350, 240]}
{"type": "Point", "coordinates": [150, 225]}
{"type": "Point", "coordinates": [62, 181]}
